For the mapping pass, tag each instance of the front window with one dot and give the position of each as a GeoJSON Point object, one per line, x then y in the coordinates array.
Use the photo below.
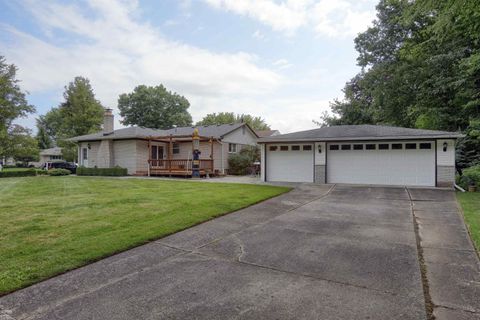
{"type": "Point", "coordinates": [176, 148]}
{"type": "Point", "coordinates": [232, 147]}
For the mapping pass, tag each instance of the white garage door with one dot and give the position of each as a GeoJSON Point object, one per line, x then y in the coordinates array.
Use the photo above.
{"type": "Point", "coordinates": [289, 163]}
{"type": "Point", "coordinates": [409, 163]}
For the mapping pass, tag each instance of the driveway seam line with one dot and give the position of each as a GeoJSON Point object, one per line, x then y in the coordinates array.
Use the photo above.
{"type": "Point", "coordinates": [429, 305]}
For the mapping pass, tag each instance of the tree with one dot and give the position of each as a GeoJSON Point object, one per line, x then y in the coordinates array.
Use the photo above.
{"type": "Point", "coordinates": [13, 104]}
{"type": "Point", "coordinates": [420, 68]}
{"type": "Point", "coordinates": [257, 123]}
{"type": "Point", "coordinates": [43, 138]}
{"type": "Point", "coordinates": [24, 147]}
{"type": "Point", "coordinates": [154, 107]}
{"type": "Point", "coordinates": [81, 113]}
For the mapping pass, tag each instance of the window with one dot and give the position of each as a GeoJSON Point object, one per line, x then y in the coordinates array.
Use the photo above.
{"type": "Point", "coordinates": [283, 148]}
{"type": "Point", "coordinates": [334, 147]}
{"type": "Point", "coordinates": [425, 146]}
{"type": "Point", "coordinates": [346, 147]}
{"type": "Point", "coordinates": [56, 158]}
{"type": "Point", "coordinates": [370, 146]}
{"type": "Point", "coordinates": [232, 148]}
{"type": "Point", "coordinates": [85, 154]}
{"type": "Point", "coordinates": [410, 146]}
{"type": "Point", "coordinates": [358, 147]}
{"type": "Point", "coordinates": [383, 146]}
{"type": "Point", "coordinates": [154, 153]}
{"type": "Point", "coordinates": [307, 147]}
{"type": "Point", "coordinates": [176, 148]}
{"type": "Point", "coordinates": [397, 146]}
{"type": "Point", "coordinates": [273, 148]}
{"type": "Point", "coordinates": [295, 148]}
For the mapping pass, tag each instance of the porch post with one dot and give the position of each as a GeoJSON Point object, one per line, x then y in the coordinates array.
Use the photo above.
{"type": "Point", "coordinates": [149, 155]}
{"type": "Point", "coordinates": [169, 154]}
{"type": "Point", "coordinates": [211, 153]}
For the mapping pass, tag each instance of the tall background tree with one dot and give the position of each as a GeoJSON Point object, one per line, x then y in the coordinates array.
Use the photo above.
{"type": "Point", "coordinates": [256, 123]}
{"type": "Point", "coordinates": [154, 107]}
{"type": "Point", "coordinates": [13, 105]}
{"type": "Point", "coordinates": [420, 68]}
{"type": "Point", "coordinates": [80, 113]}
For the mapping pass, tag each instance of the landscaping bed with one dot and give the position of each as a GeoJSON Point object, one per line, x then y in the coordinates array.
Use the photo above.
{"type": "Point", "coordinates": [52, 224]}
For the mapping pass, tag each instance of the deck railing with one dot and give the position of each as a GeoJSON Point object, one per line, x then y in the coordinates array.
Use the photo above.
{"type": "Point", "coordinates": [178, 165]}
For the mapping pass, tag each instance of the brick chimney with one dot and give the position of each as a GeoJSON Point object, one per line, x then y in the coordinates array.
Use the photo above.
{"type": "Point", "coordinates": [107, 122]}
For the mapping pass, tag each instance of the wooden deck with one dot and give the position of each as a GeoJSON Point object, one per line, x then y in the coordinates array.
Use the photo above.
{"type": "Point", "coordinates": [178, 167]}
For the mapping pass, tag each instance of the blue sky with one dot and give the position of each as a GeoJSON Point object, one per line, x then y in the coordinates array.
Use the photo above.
{"type": "Point", "coordinates": [281, 60]}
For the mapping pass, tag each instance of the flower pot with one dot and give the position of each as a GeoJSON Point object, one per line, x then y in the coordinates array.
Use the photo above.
{"type": "Point", "coordinates": [472, 188]}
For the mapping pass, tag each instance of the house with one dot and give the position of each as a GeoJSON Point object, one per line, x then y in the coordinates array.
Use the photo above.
{"type": "Point", "coordinates": [145, 151]}
{"type": "Point", "coordinates": [361, 154]}
{"type": "Point", "coordinates": [51, 154]}
{"type": "Point", "coordinates": [267, 133]}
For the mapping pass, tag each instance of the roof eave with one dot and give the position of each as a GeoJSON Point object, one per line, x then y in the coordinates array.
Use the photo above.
{"type": "Point", "coordinates": [285, 140]}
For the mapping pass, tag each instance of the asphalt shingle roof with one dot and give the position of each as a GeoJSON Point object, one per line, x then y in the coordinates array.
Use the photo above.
{"type": "Point", "coordinates": [359, 132]}
{"type": "Point", "coordinates": [215, 131]}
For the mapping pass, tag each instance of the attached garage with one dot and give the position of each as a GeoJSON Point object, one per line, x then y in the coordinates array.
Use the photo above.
{"type": "Point", "coordinates": [361, 154]}
{"type": "Point", "coordinates": [290, 162]}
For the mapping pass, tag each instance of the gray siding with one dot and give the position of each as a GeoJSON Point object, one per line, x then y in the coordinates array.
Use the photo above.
{"type": "Point", "coordinates": [445, 176]}
{"type": "Point", "coordinates": [320, 174]}
{"type": "Point", "coordinates": [125, 155]}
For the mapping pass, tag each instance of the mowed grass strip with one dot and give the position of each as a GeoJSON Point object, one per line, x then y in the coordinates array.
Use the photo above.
{"type": "Point", "coordinates": [470, 202]}
{"type": "Point", "coordinates": [52, 224]}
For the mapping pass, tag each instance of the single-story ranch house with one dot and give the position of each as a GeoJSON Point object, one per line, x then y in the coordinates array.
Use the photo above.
{"type": "Point", "coordinates": [50, 154]}
{"type": "Point", "coordinates": [145, 151]}
{"type": "Point", "coordinates": [361, 154]}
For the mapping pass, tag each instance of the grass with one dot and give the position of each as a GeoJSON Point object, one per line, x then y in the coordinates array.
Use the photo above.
{"type": "Point", "coordinates": [470, 202]}
{"type": "Point", "coordinates": [52, 224]}
{"type": "Point", "coordinates": [16, 169]}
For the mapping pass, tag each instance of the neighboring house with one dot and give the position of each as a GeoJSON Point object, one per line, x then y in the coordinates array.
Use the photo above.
{"type": "Point", "coordinates": [267, 133]}
{"type": "Point", "coordinates": [52, 154]}
{"type": "Point", "coordinates": [361, 154]}
{"type": "Point", "coordinates": [145, 151]}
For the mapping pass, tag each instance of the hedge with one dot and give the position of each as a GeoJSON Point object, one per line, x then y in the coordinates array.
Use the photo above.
{"type": "Point", "coordinates": [115, 171]}
{"type": "Point", "coordinates": [23, 173]}
{"type": "Point", "coordinates": [58, 172]}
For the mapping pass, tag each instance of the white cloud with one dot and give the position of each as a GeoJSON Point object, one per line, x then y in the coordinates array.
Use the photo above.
{"type": "Point", "coordinates": [117, 53]}
{"type": "Point", "coordinates": [282, 64]}
{"type": "Point", "coordinates": [258, 35]}
{"type": "Point", "coordinates": [327, 17]}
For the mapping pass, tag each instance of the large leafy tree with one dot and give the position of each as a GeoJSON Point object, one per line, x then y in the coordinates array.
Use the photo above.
{"type": "Point", "coordinates": [154, 107]}
{"type": "Point", "coordinates": [420, 68]}
{"type": "Point", "coordinates": [80, 113]}
{"type": "Point", "coordinates": [24, 147]}
{"type": "Point", "coordinates": [43, 137]}
{"type": "Point", "coordinates": [256, 123]}
{"type": "Point", "coordinates": [13, 104]}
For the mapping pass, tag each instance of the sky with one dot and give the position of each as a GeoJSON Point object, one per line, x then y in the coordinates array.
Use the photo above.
{"type": "Point", "coordinates": [284, 61]}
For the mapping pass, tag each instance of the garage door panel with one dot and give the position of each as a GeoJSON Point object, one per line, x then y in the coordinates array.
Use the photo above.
{"type": "Point", "coordinates": [387, 167]}
{"type": "Point", "coordinates": [293, 166]}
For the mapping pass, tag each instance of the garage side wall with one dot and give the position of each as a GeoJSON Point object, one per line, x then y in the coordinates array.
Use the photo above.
{"type": "Point", "coordinates": [445, 163]}
{"type": "Point", "coordinates": [320, 163]}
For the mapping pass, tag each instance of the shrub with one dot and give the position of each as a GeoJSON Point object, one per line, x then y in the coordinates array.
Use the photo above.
{"type": "Point", "coordinates": [113, 172]}
{"type": "Point", "coordinates": [470, 176]}
{"type": "Point", "coordinates": [240, 163]}
{"type": "Point", "coordinates": [19, 173]}
{"type": "Point", "coordinates": [41, 172]}
{"type": "Point", "coordinates": [58, 172]}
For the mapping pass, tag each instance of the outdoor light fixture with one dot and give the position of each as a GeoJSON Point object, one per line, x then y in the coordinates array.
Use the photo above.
{"type": "Point", "coordinates": [319, 148]}
{"type": "Point", "coordinates": [89, 146]}
{"type": "Point", "coordinates": [445, 145]}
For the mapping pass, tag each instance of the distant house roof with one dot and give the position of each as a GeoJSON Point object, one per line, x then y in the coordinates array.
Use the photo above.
{"type": "Point", "coordinates": [215, 131]}
{"type": "Point", "coordinates": [359, 132]}
{"type": "Point", "coordinates": [267, 133]}
{"type": "Point", "coordinates": [55, 151]}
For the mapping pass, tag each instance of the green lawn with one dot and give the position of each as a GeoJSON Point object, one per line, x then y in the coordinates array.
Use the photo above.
{"type": "Point", "coordinates": [470, 202]}
{"type": "Point", "coordinates": [52, 224]}
{"type": "Point", "coordinates": [15, 169]}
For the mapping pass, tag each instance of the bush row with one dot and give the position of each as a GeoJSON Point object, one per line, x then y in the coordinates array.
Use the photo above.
{"type": "Point", "coordinates": [470, 177]}
{"type": "Point", "coordinates": [115, 171]}
{"type": "Point", "coordinates": [19, 173]}
{"type": "Point", "coordinates": [58, 172]}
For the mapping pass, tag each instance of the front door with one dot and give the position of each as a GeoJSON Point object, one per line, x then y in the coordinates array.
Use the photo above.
{"type": "Point", "coordinates": [157, 154]}
{"type": "Point", "coordinates": [84, 157]}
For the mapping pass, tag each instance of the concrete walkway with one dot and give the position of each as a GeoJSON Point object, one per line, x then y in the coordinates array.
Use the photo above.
{"type": "Point", "coordinates": [318, 252]}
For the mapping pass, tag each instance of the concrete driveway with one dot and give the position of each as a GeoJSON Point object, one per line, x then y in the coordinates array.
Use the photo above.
{"type": "Point", "coordinates": [318, 252]}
